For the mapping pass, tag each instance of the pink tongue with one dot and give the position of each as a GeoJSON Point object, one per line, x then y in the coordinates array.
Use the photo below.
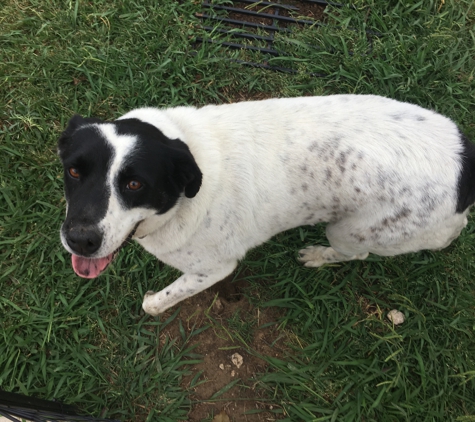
{"type": "Point", "coordinates": [90, 267]}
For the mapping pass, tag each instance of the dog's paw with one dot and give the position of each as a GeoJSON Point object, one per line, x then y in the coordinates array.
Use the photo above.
{"type": "Point", "coordinates": [316, 256]}
{"type": "Point", "coordinates": [149, 293]}
{"type": "Point", "coordinates": [152, 304]}
{"type": "Point", "coordinates": [313, 256]}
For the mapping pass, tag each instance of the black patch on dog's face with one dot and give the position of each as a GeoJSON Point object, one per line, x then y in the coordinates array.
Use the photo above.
{"type": "Point", "coordinates": [83, 148]}
{"type": "Point", "coordinates": [165, 168]}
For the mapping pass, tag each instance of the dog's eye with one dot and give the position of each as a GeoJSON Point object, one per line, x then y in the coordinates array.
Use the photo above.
{"type": "Point", "coordinates": [134, 185]}
{"type": "Point", "coordinates": [73, 172]}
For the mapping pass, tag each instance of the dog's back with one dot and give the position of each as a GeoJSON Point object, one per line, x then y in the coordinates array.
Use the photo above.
{"type": "Point", "coordinates": [326, 158]}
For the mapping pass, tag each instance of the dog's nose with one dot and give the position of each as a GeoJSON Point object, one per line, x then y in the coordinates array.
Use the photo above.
{"type": "Point", "coordinates": [84, 241]}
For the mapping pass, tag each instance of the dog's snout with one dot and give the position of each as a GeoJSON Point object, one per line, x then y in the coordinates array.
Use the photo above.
{"type": "Point", "coordinates": [84, 240]}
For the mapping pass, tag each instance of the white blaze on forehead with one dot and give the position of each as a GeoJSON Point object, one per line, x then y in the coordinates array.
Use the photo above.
{"type": "Point", "coordinates": [122, 145]}
{"type": "Point", "coordinates": [117, 224]}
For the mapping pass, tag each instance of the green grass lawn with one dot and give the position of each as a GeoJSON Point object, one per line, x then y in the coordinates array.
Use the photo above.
{"type": "Point", "coordinates": [88, 342]}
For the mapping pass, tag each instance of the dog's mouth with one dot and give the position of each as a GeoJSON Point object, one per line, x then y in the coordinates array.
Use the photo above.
{"type": "Point", "coordinates": [90, 267]}
{"type": "Point", "coordinates": [93, 267]}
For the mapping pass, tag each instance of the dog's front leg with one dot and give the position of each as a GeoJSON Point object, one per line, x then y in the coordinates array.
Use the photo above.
{"type": "Point", "coordinates": [183, 287]}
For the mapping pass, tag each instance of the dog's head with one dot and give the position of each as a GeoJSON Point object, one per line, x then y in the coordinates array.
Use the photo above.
{"type": "Point", "coordinates": [116, 175]}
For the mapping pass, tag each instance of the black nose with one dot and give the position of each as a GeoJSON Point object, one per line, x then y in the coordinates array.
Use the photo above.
{"type": "Point", "coordinates": [84, 240]}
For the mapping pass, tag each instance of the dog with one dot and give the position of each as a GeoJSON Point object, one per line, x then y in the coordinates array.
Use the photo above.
{"type": "Point", "coordinates": [199, 187]}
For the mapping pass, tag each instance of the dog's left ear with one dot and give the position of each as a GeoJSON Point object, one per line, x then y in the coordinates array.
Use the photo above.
{"type": "Point", "coordinates": [187, 175]}
{"type": "Point", "coordinates": [74, 123]}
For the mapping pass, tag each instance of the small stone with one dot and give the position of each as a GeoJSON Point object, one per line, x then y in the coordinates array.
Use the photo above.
{"type": "Point", "coordinates": [218, 306]}
{"type": "Point", "coordinates": [237, 360]}
{"type": "Point", "coordinates": [221, 366]}
{"type": "Point", "coordinates": [233, 373]}
{"type": "Point", "coordinates": [221, 417]}
{"type": "Point", "coordinates": [396, 317]}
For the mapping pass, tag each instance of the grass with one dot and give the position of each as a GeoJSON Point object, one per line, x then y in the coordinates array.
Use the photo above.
{"type": "Point", "coordinates": [87, 343]}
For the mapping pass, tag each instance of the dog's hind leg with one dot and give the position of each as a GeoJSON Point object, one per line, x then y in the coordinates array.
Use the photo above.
{"type": "Point", "coordinates": [316, 256]}
{"type": "Point", "coordinates": [346, 239]}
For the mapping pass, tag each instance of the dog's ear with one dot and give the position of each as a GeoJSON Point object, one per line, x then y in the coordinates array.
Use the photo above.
{"type": "Point", "coordinates": [186, 173]}
{"type": "Point", "coordinates": [73, 124]}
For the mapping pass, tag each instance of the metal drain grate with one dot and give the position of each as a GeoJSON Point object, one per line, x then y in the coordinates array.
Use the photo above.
{"type": "Point", "coordinates": [257, 22]}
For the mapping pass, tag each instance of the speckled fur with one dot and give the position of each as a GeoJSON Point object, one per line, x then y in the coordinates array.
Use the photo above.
{"type": "Point", "coordinates": [382, 173]}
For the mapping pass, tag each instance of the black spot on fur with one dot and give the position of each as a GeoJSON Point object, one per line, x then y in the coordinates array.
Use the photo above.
{"type": "Point", "coordinates": [358, 237]}
{"type": "Point", "coordinates": [402, 213]}
{"type": "Point", "coordinates": [341, 161]}
{"type": "Point", "coordinates": [313, 146]}
{"type": "Point", "coordinates": [466, 182]}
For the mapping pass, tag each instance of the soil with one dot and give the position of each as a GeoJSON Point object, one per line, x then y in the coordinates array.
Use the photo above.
{"type": "Point", "coordinates": [230, 314]}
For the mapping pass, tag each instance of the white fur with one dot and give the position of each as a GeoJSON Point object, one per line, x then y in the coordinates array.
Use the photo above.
{"type": "Point", "coordinates": [383, 174]}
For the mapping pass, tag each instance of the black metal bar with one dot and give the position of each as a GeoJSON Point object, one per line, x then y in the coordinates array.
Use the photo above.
{"type": "Point", "coordinates": [5, 415]}
{"type": "Point", "coordinates": [258, 14]}
{"type": "Point", "coordinates": [242, 23]}
{"type": "Point", "coordinates": [324, 3]}
{"type": "Point", "coordinates": [267, 4]}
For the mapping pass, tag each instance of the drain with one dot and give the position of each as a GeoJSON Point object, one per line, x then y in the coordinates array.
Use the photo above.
{"type": "Point", "coordinates": [258, 22]}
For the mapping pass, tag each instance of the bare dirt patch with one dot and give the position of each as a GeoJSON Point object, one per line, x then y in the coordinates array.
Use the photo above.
{"type": "Point", "coordinates": [236, 327]}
